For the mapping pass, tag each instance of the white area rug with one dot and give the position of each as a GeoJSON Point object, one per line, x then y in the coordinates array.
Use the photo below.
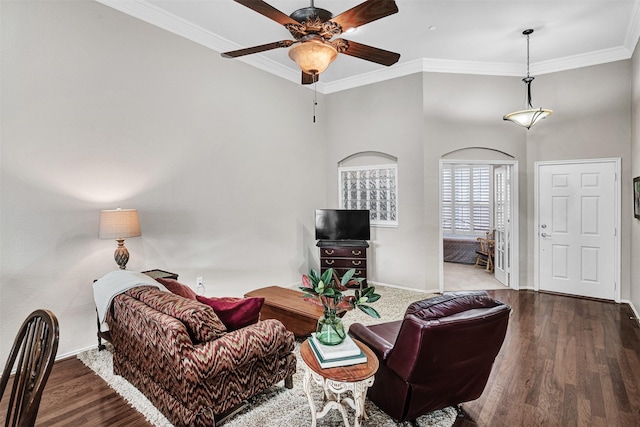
{"type": "Point", "coordinates": [278, 405]}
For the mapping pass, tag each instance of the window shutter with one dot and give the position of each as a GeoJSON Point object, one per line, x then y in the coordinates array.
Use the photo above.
{"type": "Point", "coordinates": [447, 220]}
{"type": "Point", "coordinates": [466, 199]}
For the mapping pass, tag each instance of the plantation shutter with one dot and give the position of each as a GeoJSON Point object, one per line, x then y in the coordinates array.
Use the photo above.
{"type": "Point", "coordinates": [462, 191]}
{"type": "Point", "coordinates": [466, 199]}
{"type": "Point", "coordinates": [447, 220]}
{"type": "Point", "coordinates": [481, 199]}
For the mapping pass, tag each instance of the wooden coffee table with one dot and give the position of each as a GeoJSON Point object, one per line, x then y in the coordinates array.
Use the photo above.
{"type": "Point", "coordinates": [336, 381]}
{"type": "Point", "coordinates": [286, 305]}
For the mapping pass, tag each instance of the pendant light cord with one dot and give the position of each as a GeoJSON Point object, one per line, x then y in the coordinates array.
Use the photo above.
{"type": "Point", "coordinates": [527, 55]}
{"type": "Point", "coordinates": [315, 95]}
{"type": "Point", "coordinates": [528, 79]}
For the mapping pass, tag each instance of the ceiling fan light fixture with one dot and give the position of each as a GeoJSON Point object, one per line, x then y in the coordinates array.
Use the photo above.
{"type": "Point", "coordinates": [529, 117]}
{"type": "Point", "coordinates": [313, 56]}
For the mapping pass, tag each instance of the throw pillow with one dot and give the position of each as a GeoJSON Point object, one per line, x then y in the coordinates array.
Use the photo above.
{"type": "Point", "coordinates": [177, 288]}
{"type": "Point", "coordinates": [235, 313]}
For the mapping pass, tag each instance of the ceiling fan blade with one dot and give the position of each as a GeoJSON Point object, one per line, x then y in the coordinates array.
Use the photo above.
{"type": "Point", "coordinates": [257, 49]}
{"type": "Point", "coordinates": [308, 79]}
{"type": "Point", "coordinates": [364, 13]}
{"type": "Point", "coordinates": [268, 11]}
{"type": "Point", "coordinates": [365, 52]}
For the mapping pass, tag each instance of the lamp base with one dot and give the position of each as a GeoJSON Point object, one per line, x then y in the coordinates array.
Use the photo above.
{"type": "Point", "coordinates": [121, 255]}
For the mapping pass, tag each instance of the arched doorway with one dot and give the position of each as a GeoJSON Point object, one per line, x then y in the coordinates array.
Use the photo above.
{"type": "Point", "coordinates": [478, 195]}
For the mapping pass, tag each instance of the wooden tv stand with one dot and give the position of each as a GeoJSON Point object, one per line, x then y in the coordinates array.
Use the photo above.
{"type": "Point", "coordinates": [343, 255]}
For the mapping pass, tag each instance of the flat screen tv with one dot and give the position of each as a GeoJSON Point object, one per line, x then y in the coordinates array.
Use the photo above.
{"type": "Point", "coordinates": [342, 224]}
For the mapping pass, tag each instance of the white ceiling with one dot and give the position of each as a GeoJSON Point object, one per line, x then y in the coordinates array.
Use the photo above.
{"type": "Point", "coordinates": [470, 36]}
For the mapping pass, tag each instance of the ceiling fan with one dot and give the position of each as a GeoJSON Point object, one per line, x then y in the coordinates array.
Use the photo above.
{"type": "Point", "coordinates": [313, 28]}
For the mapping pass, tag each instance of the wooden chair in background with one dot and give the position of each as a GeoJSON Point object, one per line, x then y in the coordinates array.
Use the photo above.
{"type": "Point", "coordinates": [32, 354]}
{"type": "Point", "coordinates": [485, 252]}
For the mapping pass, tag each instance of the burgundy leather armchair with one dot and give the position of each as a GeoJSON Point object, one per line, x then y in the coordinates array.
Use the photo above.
{"type": "Point", "coordinates": [439, 355]}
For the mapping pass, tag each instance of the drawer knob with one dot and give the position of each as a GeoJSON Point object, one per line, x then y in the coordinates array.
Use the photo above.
{"type": "Point", "coordinates": [356, 262]}
{"type": "Point", "coordinates": [329, 251]}
{"type": "Point", "coordinates": [356, 253]}
{"type": "Point", "coordinates": [330, 262]}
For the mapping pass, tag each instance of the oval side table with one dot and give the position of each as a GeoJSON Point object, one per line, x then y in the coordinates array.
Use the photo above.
{"type": "Point", "coordinates": [336, 381]}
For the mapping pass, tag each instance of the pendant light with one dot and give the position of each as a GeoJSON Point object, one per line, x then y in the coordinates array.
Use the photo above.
{"type": "Point", "coordinates": [531, 116]}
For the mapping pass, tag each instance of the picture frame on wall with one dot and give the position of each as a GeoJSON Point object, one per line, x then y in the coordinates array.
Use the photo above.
{"type": "Point", "coordinates": [636, 197]}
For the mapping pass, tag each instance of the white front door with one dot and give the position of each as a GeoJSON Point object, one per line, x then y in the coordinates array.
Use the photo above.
{"type": "Point", "coordinates": [577, 228]}
{"type": "Point", "coordinates": [501, 222]}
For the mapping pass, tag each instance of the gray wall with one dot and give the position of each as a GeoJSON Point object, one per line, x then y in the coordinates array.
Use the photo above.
{"type": "Point", "coordinates": [592, 119]}
{"type": "Point", "coordinates": [387, 118]}
{"type": "Point", "coordinates": [419, 119]}
{"type": "Point", "coordinates": [464, 111]}
{"type": "Point", "coordinates": [101, 110]}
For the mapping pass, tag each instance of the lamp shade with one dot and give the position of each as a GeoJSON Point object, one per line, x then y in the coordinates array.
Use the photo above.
{"type": "Point", "coordinates": [528, 118]}
{"type": "Point", "coordinates": [313, 56]}
{"type": "Point", "coordinates": [119, 224]}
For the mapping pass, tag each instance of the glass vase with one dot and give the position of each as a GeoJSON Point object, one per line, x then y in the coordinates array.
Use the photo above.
{"type": "Point", "coordinates": [330, 330]}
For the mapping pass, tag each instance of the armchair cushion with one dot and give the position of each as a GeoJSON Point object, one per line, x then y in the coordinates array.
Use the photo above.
{"type": "Point", "coordinates": [449, 304]}
{"type": "Point", "coordinates": [240, 347]}
{"type": "Point", "coordinates": [201, 321]}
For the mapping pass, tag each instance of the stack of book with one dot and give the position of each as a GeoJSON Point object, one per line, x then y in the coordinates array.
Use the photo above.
{"type": "Point", "coordinates": [331, 356]}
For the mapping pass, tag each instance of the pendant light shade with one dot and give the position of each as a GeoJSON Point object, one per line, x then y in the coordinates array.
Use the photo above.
{"type": "Point", "coordinates": [531, 116]}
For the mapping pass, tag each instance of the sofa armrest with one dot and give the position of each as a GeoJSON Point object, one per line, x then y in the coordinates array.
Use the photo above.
{"type": "Point", "coordinates": [379, 345]}
{"type": "Point", "coordinates": [237, 348]}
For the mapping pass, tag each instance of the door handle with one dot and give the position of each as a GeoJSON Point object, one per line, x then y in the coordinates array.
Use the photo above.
{"type": "Point", "coordinates": [545, 235]}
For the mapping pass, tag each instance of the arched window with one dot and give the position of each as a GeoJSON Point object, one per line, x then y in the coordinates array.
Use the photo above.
{"type": "Point", "coordinates": [370, 186]}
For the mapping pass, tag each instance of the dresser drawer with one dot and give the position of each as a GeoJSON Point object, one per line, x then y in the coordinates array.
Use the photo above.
{"type": "Point", "coordinates": [343, 252]}
{"type": "Point", "coordinates": [343, 258]}
{"type": "Point", "coordinates": [360, 273]}
{"type": "Point", "coordinates": [343, 263]}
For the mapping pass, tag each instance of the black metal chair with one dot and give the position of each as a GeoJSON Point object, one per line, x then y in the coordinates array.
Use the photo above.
{"type": "Point", "coordinates": [32, 355]}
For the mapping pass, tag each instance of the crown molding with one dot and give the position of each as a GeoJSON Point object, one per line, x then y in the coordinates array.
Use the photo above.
{"type": "Point", "coordinates": [427, 65]}
{"type": "Point", "coordinates": [395, 71]}
{"type": "Point", "coordinates": [153, 15]}
{"type": "Point", "coordinates": [579, 61]}
{"type": "Point", "coordinates": [633, 31]}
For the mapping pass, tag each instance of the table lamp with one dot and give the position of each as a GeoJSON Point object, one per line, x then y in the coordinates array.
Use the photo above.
{"type": "Point", "coordinates": [119, 224]}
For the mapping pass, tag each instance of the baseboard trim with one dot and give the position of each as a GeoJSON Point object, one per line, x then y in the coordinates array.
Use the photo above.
{"type": "Point", "coordinates": [405, 288]}
{"type": "Point", "coordinates": [633, 308]}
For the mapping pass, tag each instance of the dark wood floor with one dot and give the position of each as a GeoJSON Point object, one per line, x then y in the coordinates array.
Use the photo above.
{"type": "Point", "coordinates": [565, 362]}
{"type": "Point", "coordinates": [76, 396]}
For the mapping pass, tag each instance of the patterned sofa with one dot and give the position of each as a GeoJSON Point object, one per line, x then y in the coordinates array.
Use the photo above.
{"type": "Point", "coordinates": [180, 355]}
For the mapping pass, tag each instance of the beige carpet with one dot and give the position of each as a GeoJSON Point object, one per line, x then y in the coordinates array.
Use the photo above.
{"type": "Point", "coordinates": [278, 405]}
{"type": "Point", "coordinates": [465, 277]}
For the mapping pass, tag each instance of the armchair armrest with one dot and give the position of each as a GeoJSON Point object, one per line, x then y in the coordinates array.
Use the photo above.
{"type": "Point", "coordinates": [379, 345]}
{"type": "Point", "coordinates": [239, 347]}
